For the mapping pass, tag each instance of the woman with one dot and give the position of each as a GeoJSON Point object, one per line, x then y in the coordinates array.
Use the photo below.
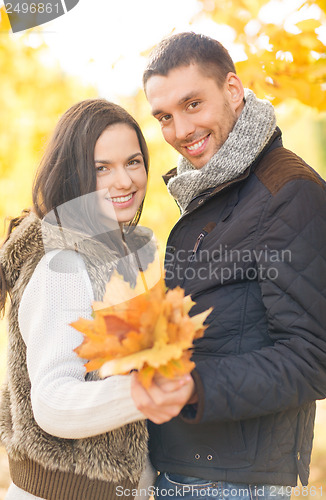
{"type": "Point", "coordinates": [69, 437]}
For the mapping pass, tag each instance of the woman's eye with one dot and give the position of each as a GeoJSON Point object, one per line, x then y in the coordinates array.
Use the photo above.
{"type": "Point", "coordinates": [101, 168]}
{"type": "Point", "coordinates": [136, 162]}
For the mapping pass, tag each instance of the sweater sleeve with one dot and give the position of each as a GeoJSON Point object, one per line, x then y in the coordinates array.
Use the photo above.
{"type": "Point", "coordinates": [64, 404]}
{"type": "Point", "coordinates": [291, 371]}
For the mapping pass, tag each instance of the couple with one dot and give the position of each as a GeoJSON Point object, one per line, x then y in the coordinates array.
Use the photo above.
{"type": "Point", "coordinates": [250, 242]}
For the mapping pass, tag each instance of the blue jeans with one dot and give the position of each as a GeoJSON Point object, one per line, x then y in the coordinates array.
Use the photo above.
{"type": "Point", "coordinates": [171, 486]}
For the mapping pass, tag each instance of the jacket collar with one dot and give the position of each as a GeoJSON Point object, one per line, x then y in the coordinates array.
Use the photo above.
{"type": "Point", "coordinates": [274, 142]}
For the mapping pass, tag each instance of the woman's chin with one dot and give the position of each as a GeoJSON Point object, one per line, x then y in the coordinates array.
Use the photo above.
{"type": "Point", "coordinates": [112, 220]}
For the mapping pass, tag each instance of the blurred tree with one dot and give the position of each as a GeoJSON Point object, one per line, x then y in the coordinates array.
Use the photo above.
{"type": "Point", "coordinates": [33, 94]}
{"type": "Point", "coordinates": [285, 57]}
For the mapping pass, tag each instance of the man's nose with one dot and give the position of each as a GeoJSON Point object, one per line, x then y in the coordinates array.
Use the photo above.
{"type": "Point", "coordinates": [183, 127]}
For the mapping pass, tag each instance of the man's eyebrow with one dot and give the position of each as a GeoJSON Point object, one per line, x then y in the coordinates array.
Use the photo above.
{"type": "Point", "coordinates": [131, 157]}
{"type": "Point", "coordinates": [183, 99]}
{"type": "Point", "coordinates": [156, 112]}
{"type": "Point", "coordinates": [188, 97]}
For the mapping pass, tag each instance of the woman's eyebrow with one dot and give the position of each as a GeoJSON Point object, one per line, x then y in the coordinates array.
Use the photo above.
{"type": "Point", "coordinates": [108, 162]}
{"type": "Point", "coordinates": [139, 153]}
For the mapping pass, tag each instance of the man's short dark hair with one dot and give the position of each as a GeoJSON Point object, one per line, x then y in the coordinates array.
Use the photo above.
{"type": "Point", "coordinates": [188, 48]}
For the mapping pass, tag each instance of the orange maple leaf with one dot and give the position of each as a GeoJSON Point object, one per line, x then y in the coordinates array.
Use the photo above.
{"type": "Point", "coordinates": [140, 328]}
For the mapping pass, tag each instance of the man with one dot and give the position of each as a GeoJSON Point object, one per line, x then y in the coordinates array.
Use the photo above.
{"type": "Point", "coordinates": [250, 243]}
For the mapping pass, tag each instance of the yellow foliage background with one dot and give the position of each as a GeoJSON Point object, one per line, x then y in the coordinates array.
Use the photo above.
{"type": "Point", "coordinates": [288, 68]}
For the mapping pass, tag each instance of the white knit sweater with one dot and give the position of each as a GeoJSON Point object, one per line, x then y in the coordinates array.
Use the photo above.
{"type": "Point", "coordinates": [64, 405]}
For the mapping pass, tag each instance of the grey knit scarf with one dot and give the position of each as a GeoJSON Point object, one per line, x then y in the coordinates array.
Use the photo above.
{"type": "Point", "coordinates": [252, 131]}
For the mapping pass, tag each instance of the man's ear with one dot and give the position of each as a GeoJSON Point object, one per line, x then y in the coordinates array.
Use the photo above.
{"type": "Point", "coordinates": [235, 91]}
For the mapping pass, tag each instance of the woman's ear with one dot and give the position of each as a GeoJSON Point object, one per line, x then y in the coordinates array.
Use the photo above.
{"type": "Point", "coordinates": [235, 91]}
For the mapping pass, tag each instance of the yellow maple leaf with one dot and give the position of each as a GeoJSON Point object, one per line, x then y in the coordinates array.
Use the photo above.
{"type": "Point", "coordinates": [308, 25]}
{"type": "Point", "coordinates": [118, 291]}
{"type": "Point", "coordinates": [4, 20]}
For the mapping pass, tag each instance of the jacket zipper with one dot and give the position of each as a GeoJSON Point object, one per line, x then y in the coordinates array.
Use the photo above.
{"type": "Point", "coordinates": [205, 231]}
{"type": "Point", "coordinates": [197, 245]}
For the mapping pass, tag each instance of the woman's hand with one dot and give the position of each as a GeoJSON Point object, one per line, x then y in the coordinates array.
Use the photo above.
{"type": "Point", "coordinates": [165, 398]}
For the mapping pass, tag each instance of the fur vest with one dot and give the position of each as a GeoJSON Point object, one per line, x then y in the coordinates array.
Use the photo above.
{"type": "Point", "coordinates": [114, 456]}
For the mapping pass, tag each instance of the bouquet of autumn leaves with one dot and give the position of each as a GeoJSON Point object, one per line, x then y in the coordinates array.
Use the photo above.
{"type": "Point", "coordinates": [140, 328]}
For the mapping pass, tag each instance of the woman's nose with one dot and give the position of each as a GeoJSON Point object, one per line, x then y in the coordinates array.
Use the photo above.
{"type": "Point", "coordinates": [122, 179]}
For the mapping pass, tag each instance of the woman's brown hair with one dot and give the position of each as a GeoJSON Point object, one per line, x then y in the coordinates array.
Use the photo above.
{"type": "Point", "coordinates": [67, 171]}
{"type": "Point", "coordinates": [67, 168]}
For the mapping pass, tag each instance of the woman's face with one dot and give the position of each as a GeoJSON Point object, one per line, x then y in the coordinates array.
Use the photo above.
{"type": "Point", "coordinates": [120, 171]}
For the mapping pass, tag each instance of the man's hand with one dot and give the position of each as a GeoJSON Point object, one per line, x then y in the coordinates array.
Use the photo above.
{"type": "Point", "coordinates": [165, 398]}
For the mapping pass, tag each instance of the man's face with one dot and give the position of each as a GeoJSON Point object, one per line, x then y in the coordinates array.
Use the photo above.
{"type": "Point", "coordinates": [196, 115]}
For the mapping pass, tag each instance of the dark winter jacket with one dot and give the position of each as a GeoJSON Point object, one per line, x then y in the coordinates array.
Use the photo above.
{"type": "Point", "coordinates": [255, 250]}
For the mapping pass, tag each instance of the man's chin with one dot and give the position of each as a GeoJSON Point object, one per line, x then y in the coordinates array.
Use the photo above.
{"type": "Point", "coordinates": [198, 162]}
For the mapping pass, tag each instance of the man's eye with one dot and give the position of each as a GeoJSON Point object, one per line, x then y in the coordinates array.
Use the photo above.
{"type": "Point", "coordinates": [193, 105]}
{"type": "Point", "coordinates": [164, 118]}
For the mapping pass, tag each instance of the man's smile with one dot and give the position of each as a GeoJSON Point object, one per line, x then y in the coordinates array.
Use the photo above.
{"type": "Point", "coordinates": [198, 147]}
